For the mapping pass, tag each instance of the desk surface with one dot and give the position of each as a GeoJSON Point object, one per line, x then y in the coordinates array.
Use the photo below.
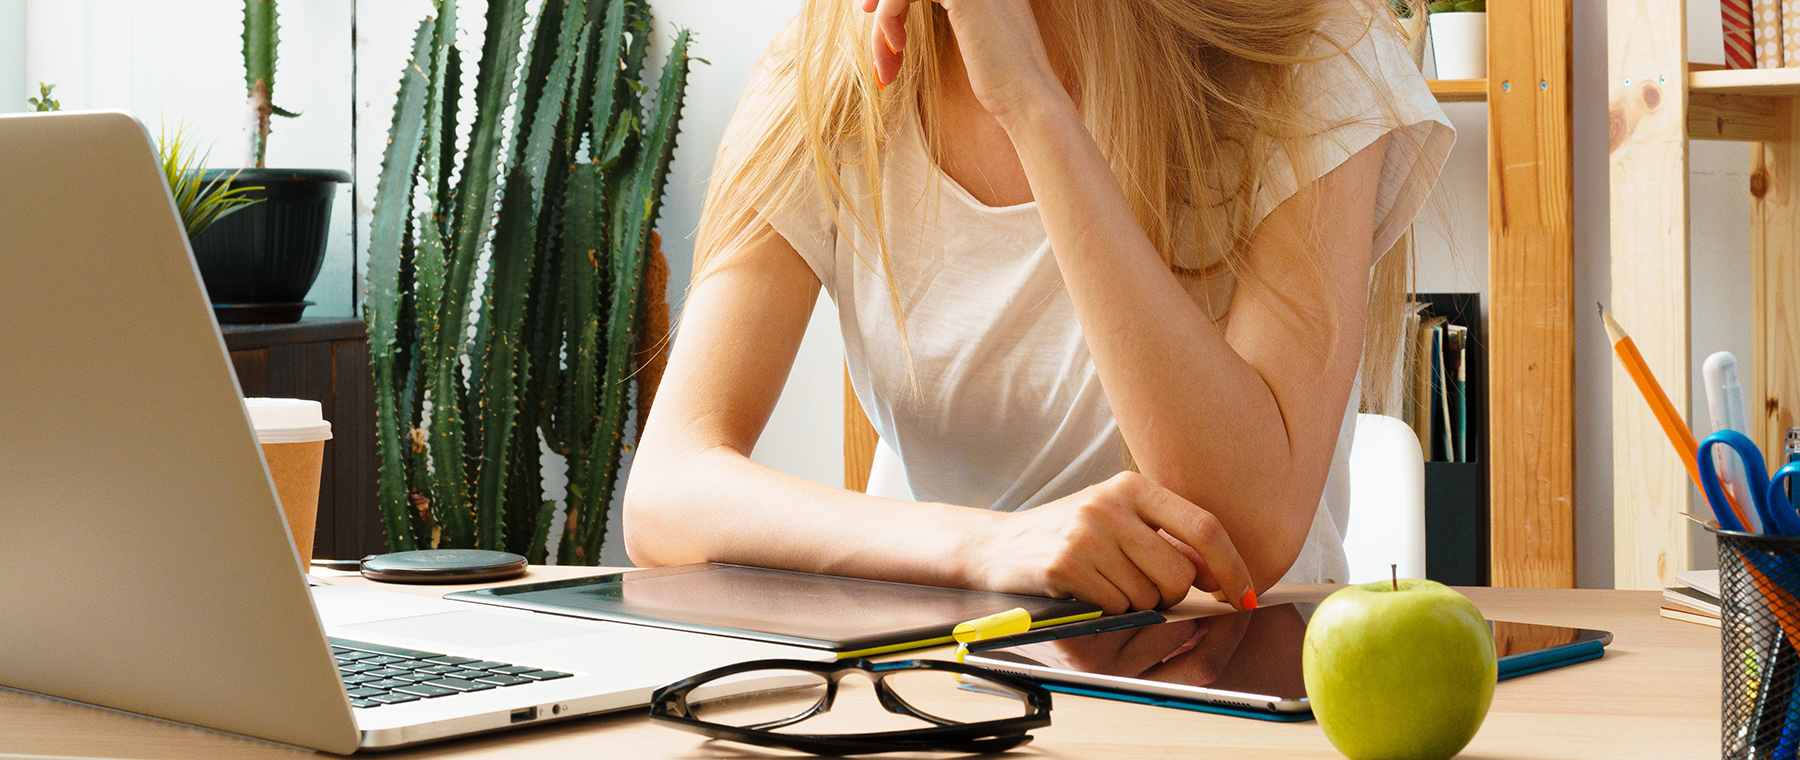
{"type": "Point", "coordinates": [1656, 694]}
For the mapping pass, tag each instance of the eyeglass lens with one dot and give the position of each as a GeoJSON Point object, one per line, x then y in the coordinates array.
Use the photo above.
{"type": "Point", "coordinates": [796, 702]}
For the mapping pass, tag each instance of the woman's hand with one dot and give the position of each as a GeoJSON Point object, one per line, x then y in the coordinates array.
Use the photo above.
{"type": "Point", "coordinates": [1103, 545]}
{"type": "Point", "coordinates": [1000, 44]}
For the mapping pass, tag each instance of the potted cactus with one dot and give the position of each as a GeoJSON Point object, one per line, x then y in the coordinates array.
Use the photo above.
{"type": "Point", "coordinates": [1458, 30]}
{"type": "Point", "coordinates": [570, 275]}
{"type": "Point", "coordinates": [259, 264]}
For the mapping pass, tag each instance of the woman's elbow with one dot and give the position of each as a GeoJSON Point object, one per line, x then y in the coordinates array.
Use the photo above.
{"type": "Point", "coordinates": [1269, 555]}
{"type": "Point", "coordinates": [645, 512]}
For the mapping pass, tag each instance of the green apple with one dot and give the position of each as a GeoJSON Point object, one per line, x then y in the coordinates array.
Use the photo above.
{"type": "Point", "coordinates": [1399, 670]}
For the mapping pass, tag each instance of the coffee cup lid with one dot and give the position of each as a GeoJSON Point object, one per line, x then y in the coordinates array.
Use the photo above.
{"type": "Point", "coordinates": [287, 420]}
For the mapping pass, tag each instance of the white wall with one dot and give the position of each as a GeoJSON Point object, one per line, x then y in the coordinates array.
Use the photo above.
{"type": "Point", "coordinates": [1719, 275]}
{"type": "Point", "coordinates": [805, 437]}
{"type": "Point", "coordinates": [12, 57]}
{"type": "Point", "coordinates": [182, 66]}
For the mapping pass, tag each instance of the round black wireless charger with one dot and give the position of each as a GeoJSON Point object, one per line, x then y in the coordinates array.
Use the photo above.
{"type": "Point", "coordinates": [443, 566]}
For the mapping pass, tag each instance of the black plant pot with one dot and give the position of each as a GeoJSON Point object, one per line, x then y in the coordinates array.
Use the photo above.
{"type": "Point", "coordinates": [259, 262]}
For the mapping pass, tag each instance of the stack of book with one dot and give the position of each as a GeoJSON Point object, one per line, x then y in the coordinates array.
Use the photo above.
{"type": "Point", "coordinates": [1694, 598]}
{"type": "Point", "coordinates": [1436, 370]}
{"type": "Point", "coordinates": [1437, 384]}
{"type": "Point", "coordinates": [1762, 34]}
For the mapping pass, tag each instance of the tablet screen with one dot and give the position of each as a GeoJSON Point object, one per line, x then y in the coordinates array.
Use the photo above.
{"type": "Point", "coordinates": [777, 605]}
{"type": "Point", "coordinates": [1252, 652]}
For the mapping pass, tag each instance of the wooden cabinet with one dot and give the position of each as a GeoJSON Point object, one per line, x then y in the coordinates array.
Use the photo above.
{"type": "Point", "coordinates": [325, 360]}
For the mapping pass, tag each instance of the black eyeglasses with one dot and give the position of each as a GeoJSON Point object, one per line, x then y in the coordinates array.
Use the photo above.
{"type": "Point", "coordinates": [996, 709]}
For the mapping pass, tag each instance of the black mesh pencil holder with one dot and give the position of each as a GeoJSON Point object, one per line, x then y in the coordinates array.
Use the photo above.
{"type": "Point", "coordinates": [1759, 637]}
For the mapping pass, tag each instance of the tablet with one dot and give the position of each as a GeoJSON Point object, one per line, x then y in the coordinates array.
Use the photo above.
{"type": "Point", "coordinates": [851, 616]}
{"type": "Point", "coordinates": [1237, 662]}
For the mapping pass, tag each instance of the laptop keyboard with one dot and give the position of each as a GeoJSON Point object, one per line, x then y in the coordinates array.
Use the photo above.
{"type": "Point", "coordinates": [379, 675]}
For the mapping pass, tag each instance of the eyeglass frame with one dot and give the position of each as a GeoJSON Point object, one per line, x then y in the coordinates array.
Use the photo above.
{"type": "Point", "coordinates": [669, 705]}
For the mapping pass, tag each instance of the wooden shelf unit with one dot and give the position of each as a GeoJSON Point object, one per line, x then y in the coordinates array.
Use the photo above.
{"type": "Point", "coordinates": [1657, 102]}
{"type": "Point", "coordinates": [1766, 82]}
{"type": "Point", "coordinates": [1459, 90]}
{"type": "Point", "coordinates": [1531, 314]}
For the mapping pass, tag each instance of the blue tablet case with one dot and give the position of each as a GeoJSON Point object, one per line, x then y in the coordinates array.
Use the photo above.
{"type": "Point", "coordinates": [1509, 667]}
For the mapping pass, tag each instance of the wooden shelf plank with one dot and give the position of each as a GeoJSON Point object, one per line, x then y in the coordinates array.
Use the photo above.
{"type": "Point", "coordinates": [1766, 82]}
{"type": "Point", "coordinates": [1459, 90]}
{"type": "Point", "coordinates": [1531, 273]}
{"type": "Point", "coordinates": [1740, 118]}
{"type": "Point", "coordinates": [1775, 282]}
{"type": "Point", "coordinates": [1648, 164]}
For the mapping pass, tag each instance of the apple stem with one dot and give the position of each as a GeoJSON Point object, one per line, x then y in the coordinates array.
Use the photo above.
{"type": "Point", "coordinates": [1395, 569]}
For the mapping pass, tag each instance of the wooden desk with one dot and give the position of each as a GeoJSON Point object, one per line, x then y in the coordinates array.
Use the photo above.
{"type": "Point", "coordinates": [1656, 694]}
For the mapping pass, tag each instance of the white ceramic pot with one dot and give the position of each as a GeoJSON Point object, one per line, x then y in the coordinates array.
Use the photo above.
{"type": "Point", "coordinates": [1459, 44]}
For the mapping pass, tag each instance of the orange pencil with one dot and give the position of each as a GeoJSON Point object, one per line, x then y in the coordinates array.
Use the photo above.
{"type": "Point", "coordinates": [1680, 436]}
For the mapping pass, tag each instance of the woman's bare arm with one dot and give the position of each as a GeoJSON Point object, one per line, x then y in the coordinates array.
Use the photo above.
{"type": "Point", "coordinates": [1241, 421]}
{"type": "Point", "coordinates": [694, 494]}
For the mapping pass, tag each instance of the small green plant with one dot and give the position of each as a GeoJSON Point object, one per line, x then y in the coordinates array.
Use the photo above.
{"type": "Point", "coordinates": [200, 202]}
{"type": "Point", "coordinates": [1458, 6]}
{"type": "Point", "coordinates": [261, 36]}
{"type": "Point", "coordinates": [43, 102]}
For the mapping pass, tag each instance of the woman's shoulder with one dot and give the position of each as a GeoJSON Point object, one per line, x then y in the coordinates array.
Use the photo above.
{"type": "Point", "coordinates": [1360, 70]}
{"type": "Point", "coordinates": [1359, 85]}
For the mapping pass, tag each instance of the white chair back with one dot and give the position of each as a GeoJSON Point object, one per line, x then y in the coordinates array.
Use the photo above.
{"type": "Point", "coordinates": [1387, 501]}
{"type": "Point", "coordinates": [887, 476]}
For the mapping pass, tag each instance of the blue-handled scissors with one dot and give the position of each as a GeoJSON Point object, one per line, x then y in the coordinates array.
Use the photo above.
{"type": "Point", "coordinates": [1772, 505]}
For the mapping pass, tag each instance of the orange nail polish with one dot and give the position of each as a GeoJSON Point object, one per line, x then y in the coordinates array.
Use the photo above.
{"type": "Point", "coordinates": [879, 85]}
{"type": "Point", "coordinates": [890, 44]}
{"type": "Point", "coordinates": [1249, 600]}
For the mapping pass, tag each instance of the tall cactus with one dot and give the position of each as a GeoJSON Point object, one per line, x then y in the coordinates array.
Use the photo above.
{"type": "Point", "coordinates": [261, 37]}
{"type": "Point", "coordinates": [560, 201]}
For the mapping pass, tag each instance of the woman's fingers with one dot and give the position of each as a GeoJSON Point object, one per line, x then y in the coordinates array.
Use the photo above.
{"type": "Point", "coordinates": [888, 36]}
{"type": "Point", "coordinates": [1203, 577]}
{"type": "Point", "coordinates": [1130, 578]}
{"type": "Point", "coordinates": [1092, 586]}
{"type": "Point", "coordinates": [1198, 529]}
{"type": "Point", "coordinates": [1172, 573]}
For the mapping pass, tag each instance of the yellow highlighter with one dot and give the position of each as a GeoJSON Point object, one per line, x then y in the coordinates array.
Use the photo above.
{"type": "Point", "coordinates": [1015, 620]}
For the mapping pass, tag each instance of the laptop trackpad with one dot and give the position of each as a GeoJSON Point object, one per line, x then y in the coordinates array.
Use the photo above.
{"type": "Point", "coordinates": [471, 629]}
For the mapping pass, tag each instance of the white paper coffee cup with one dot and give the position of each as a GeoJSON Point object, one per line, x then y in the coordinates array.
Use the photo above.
{"type": "Point", "coordinates": [288, 420]}
{"type": "Point", "coordinates": [293, 432]}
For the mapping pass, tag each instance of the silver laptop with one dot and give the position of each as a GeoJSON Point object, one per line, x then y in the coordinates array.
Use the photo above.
{"type": "Point", "coordinates": [144, 562]}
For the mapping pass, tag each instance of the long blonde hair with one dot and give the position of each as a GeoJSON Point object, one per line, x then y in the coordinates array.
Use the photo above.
{"type": "Point", "coordinates": [1188, 99]}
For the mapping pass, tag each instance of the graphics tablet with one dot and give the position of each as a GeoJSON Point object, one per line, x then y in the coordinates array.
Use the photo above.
{"type": "Point", "coordinates": [1245, 663]}
{"type": "Point", "coordinates": [850, 616]}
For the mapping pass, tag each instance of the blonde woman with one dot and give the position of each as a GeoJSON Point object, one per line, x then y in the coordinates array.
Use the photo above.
{"type": "Point", "coordinates": [1105, 271]}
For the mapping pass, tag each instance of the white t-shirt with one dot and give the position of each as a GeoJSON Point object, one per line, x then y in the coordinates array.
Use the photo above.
{"type": "Point", "coordinates": [1008, 412]}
